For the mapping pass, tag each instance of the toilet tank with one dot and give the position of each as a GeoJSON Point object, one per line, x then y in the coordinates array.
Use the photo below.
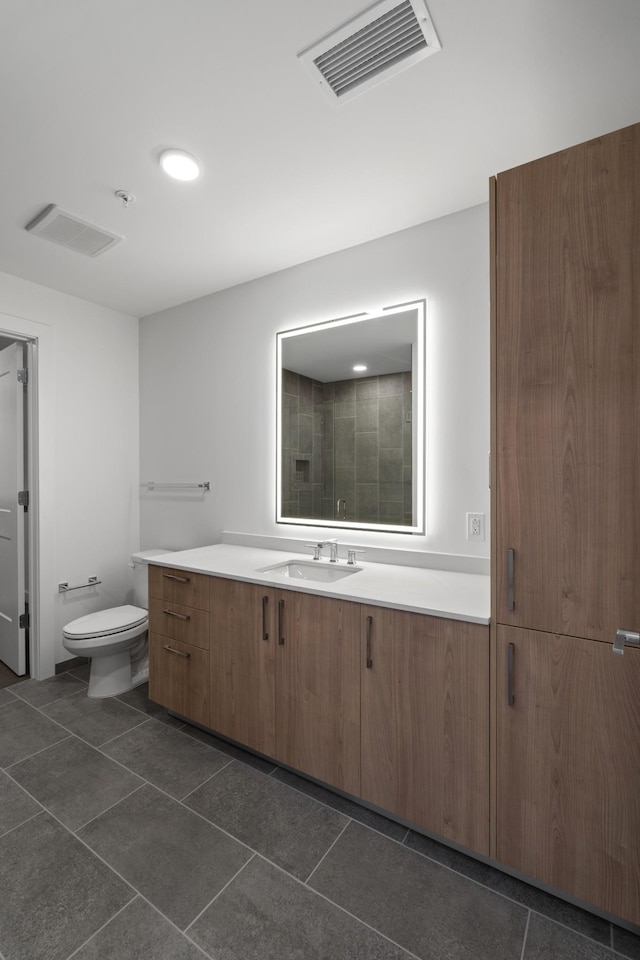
{"type": "Point", "coordinates": [139, 562]}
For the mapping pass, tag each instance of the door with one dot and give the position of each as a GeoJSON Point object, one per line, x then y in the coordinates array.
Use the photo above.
{"type": "Point", "coordinates": [568, 765]}
{"type": "Point", "coordinates": [12, 516]}
{"type": "Point", "coordinates": [318, 688]}
{"type": "Point", "coordinates": [243, 647]}
{"type": "Point", "coordinates": [568, 390]}
{"type": "Point", "coordinates": [425, 722]}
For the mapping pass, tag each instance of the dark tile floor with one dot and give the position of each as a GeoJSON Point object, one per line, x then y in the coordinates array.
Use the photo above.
{"type": "Point", "coordinates": [125, 834]}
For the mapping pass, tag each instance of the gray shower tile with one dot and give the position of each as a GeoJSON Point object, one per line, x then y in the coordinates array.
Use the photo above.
{"type": "Point", "coordinates": [139, 699]}
{"type": "Point", "coordinates": [342, 804]}
{"type": "Point", "coordinates": [305, 434]}
{"type": "Point", "coordinates": [366, 457]}
{"type": "Point", "coordinates": [343, 390]}
{"type": "Point", "coordinates": [390, 466]}
{"type": "Point", "coordinates": [94, 720]}
{"type": "Point", "coordinates": [431, 912]}
{"type": "Point", "coordinates": [40, 692]}
{"type": "Point", "coordinates": [344, 442]}
{"type": "Point", "coordinates": [566, 913]}
{"type": "Point", "coordinates": [139, 931]}
{"type": "Point", "coordinates": [391, 422]}
{"type": "Point", "coordinates": [391, 384]}
{"type": "Point", "coordinates": [367, 416]}
{"type": "Point", "coordinates": [547, 940]}
{"type": "Point", "coordinates": [23, 731]}
{"type": "Point", "coordinates": [287, 827]}
{"type": "Point", "coordinates": [626, 943]}
{"type": "Point", "coordinates": [366, 389]}
{"type": "Point", "coordinates": [390, 512]}
{"type": "Point", "coordinates": [74, 781]}
{"type": "Point", "coordinates": [54, 893]}
{"type": "Point", "coordinates": [267, 915]}
{"type": "Point", "coordinates": [167, 758]}
{"type": "Point", "coordinates": [346, 408]}
{"type": "Point", "coordinates": [290, 381]}
{"type": "Point", "coordinates": [367, 495]}
{"type": "Point", "coordinates": [173, 857]}
{"type": "Point", "coordinates": [392, 492]}
{"type": "Point", "coordinates": [15, 805]}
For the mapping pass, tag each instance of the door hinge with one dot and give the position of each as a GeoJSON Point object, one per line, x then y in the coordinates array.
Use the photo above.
{"type": "Point", "coordinates": [23, 498]}
{"type": "Point", "coordinates": [23, 375]}
{"type": "Point", "coordinates": [24, 621]}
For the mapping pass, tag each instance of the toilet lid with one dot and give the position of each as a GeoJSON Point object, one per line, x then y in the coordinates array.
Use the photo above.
{"type": "Point", "coordinates": [104, 622]}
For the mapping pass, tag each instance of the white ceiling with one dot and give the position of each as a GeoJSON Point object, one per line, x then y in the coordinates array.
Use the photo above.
{"type": "Point", "coordinates": [92, 91]}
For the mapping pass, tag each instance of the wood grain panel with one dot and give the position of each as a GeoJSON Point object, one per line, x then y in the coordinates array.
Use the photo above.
{"type": "Point", "coordinates": [569, 767]}
{"type": "Point", "coordinates": [167, 619]}
{"type": "Point", "coordinates": [568, 388]}
{"type": "Point", "coordinates": [425, 723]}
{"type": "Point", "coordinates": [188, 589]}
{"type": "Point", "coordinates": [180, 683]}
{"type": "Point", "coordinates": [242, 664]}
{"type": "Point", "coordinates": [318, 689]}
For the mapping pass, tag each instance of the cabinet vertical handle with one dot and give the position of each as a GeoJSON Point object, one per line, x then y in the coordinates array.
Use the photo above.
{"type": "Point", "coordinates": [280, 622]}
{"type": "Point", "coordinates": [510, 563]}
{"type": "Point", "coordinates": [265, 634]}
{"type": "Point", "coordinates": [510, 655]}
{"type": "Point", "coordinates": [369, 630]}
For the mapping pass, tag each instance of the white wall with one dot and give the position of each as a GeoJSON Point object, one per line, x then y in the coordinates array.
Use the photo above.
{"type": "Point", "coordinates": [89, 442]}
{"type": "Point", "coordinates": [208, 385]}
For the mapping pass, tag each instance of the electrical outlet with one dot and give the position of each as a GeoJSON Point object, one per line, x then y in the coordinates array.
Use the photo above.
{"type": "Point", "coordinates": [475, 526]}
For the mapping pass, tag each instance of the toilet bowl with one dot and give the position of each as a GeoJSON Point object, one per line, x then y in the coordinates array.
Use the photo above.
{"type": "Point", "coordinates": [115, 639]}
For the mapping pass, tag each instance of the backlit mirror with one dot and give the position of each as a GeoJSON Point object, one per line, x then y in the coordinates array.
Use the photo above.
{"type": "Point", "coordinates": [350, 428]}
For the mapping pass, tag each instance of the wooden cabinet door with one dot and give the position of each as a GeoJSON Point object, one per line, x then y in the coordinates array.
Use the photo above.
{"type": "Point", "coordinates": [243, 644]}
{"type": "Point", "coordinates": [567, 310]}
{"type": "Point", "coordinates": [568, 758]}
{"type": "Point", "coordinates": [425, 722]}
{"type": "Point", "coordinates": [318, 688]}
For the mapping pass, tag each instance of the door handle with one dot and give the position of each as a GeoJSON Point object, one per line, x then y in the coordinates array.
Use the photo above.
{"type": "Point", "coordinates": [510, 655]}
{"type": "Point", "coordinates": [510, 594]}
{"type": "Point", "coordinates": [369, 631]}
{"type": "Point", "coordinates": [280, 622]}
{"type": "Point", "coordinates": [265, 601]}
{"type": "Point", "coordinates": [171, 576]}
{"type": "Point", "coordinates": [177, 652]}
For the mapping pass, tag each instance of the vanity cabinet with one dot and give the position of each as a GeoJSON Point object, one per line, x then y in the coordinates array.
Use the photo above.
{"type": "Point", "coordinates": [568, 752]}
{"type": "Point", "coordinates": [425, 722]}
{"type": "Point", "coordinates": [285, 678]}
{"type": "Point", "coordinates": [566, 514]}
{"type": "Point", "coordinates": [179, 642]}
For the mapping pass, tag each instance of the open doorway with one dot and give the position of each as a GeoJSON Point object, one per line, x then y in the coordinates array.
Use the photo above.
{"type": "Point", "coordinates": [15, 530]}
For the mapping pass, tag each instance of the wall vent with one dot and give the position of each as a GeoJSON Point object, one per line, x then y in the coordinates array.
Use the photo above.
{"type": "Point", "coordinates": [70, 231]}
{"type": "Point", "coordinates": [384, 39]}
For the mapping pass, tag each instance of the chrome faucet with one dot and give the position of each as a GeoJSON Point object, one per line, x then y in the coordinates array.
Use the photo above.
{"type": "Point", "coordinates": [318, 547]}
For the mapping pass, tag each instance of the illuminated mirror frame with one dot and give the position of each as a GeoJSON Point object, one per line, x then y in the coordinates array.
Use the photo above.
{"type": "Point", "coordinates": [418, 367]}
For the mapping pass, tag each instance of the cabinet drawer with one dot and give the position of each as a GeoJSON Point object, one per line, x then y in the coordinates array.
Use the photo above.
{"type": "Point", "coordinates": [179, 677]}
{"type": "Point", "coordinates": [179, 586]}
{"type": "Point", "coordinates": [178, 622]}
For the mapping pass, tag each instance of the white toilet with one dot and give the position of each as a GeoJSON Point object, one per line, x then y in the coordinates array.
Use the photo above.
{"type": "Point", "coordinates": [116, 639]}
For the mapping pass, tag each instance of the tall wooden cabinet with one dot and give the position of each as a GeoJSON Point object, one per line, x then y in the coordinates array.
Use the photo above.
{"type": "Point", "coordinates": [566, 519]}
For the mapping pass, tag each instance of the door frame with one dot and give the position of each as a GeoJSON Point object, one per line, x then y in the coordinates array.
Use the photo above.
{"type": "Point", "coordinates": [39, 542]}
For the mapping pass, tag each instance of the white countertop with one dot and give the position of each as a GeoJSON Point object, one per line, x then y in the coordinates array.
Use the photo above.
{"type": "Point", "coordinates": [440, 593]}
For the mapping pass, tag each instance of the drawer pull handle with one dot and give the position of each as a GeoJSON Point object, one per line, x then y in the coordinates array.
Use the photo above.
{"type": "Point", "coordinates": [171, 576]}
{"type": "Point", "coordinates": [178, 653]}
{"type": "Point", "coordinates": [368, 650]}
{"type": "Point", "coordinates": [178, 616]}
{"type": "Point", "coordinates": [265, 634]}
{"type": "Point", "coordinates": [280, 622]}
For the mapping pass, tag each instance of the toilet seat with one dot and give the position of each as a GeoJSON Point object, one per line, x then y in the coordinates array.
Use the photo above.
{"type": "Point", "coordinates": [106, 623]}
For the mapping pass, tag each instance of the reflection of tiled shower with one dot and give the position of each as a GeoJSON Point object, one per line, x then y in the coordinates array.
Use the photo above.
{"type": "Point", "coordinates": [346, 449]}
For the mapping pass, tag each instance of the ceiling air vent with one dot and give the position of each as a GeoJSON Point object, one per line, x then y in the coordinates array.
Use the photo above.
{"type": "Point", "coordinates": [383, 40]}
{"type": "Point", "coordinates": [72, 232]}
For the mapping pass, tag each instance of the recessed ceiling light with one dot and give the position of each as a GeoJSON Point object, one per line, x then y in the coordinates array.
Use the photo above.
{"type": "Point", "coordinates": [359, 367]}
{"type": "Point", "coordinates": [179, 165]}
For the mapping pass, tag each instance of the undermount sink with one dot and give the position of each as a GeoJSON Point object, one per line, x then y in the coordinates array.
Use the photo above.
{"type": "Point", "coordinates": [312, 570]}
